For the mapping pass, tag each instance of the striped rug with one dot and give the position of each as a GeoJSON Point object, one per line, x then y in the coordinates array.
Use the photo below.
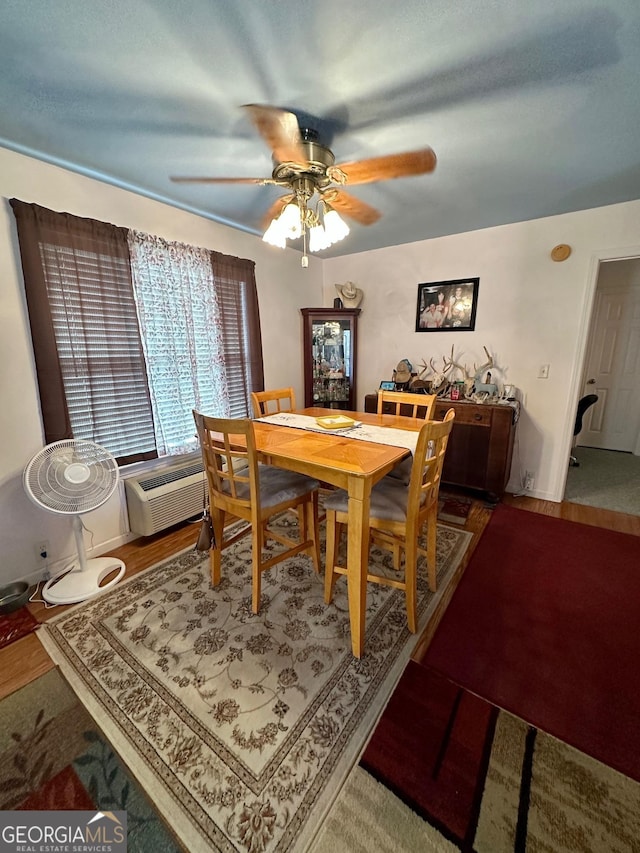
{"type": "Point", "coordinates": [446, 770]}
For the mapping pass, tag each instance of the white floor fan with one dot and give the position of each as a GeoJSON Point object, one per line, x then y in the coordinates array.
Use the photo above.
{"type": "Point", "coordinates": [73, 477]}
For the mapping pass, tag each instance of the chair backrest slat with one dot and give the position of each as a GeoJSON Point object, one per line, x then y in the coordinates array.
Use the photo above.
{"type": "Point", "coordinates": [228, 451]}
{"type": "Point", "coordinates": [411, 405]}
{"type": "Point", "coordinates": [272, 402]}
{"type": "Point", "coordinates": [428, 463]}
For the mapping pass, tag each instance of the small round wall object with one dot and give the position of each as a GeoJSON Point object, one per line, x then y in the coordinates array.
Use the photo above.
{"type": "Point", "coordinates": [560, 252]}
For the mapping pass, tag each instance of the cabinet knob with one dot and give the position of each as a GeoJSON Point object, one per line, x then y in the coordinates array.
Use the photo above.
{"type": "Point", "coordinates": [477, 416]}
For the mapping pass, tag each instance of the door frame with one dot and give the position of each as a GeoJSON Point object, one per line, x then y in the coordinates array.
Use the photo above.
{"type": "Point", "coordinates": [577, 372]}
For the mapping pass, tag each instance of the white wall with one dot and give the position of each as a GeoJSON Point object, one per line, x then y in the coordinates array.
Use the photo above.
{"type": "Point", "coordinates": [283, 288]}
{"type": "Point", "coordinates": [531, 311]}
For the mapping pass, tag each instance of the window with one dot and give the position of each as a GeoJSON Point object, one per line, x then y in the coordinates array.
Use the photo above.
{"type": "Point", "coordinates": [130, 333]}
{"type": "Point", "coordinates": [181, 327]}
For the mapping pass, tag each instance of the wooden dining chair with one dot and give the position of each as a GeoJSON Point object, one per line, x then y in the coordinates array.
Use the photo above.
{"type": "Point", "coordinates": [421, 405]}
{"type": "Point", "coordinates": [272, 402]}
{"type": "Point", "coordinates": [398, 516]}
{"type": "Point", "coordinates": [411, 406]}
{"type": "Point", "coordinates": [239, 486]}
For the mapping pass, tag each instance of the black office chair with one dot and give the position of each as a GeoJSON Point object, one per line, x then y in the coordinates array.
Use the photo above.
{"type": "Point", "coordinates": [583, 404]}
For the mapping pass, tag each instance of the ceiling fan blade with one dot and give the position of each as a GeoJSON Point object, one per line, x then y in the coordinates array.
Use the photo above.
{"type": "Point", "coordinates": [275, 210]}
{"type": "Point", "coordinates": [280, 131]}
{"type": "Point", "coordinates": [345, 203]}
{"type": "Point", "coordinates": [189, 180]}
{"type": "Point", "coordinates": [392, 166]}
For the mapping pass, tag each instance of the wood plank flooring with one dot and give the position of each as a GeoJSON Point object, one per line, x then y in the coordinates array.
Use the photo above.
{"type": "Point", "coordinates": [26, 659]}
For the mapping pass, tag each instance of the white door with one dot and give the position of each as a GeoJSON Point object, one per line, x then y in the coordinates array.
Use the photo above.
{"type": "Point", "coordinates": [613, 369]}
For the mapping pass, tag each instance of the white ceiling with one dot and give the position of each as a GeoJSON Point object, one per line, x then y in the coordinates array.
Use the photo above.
{"type": "Point", "coordinates": [533, 108]}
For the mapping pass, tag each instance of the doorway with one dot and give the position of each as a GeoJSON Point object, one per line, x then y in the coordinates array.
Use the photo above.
{"type": "Point", "coordinates": [608, 445]}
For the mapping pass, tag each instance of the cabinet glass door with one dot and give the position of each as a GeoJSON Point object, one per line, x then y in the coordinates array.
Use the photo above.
{"type": "Point", "coordinates": [330, 357]}
{"type": "Point", "coordinates": [331, 353]}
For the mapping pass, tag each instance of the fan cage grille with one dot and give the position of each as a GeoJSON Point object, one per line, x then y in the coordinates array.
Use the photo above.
{"type": "Point", "coordinates": [47, 483]}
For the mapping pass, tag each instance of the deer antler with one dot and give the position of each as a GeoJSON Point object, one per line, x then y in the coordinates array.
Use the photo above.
{"type": "Point", "coordinates": [440, 382]}
{"type": "Point", "coordinates": [424, 369]}
{"type": "Point", "coordinates": [449, 363]}
{"type": "Point", "coordinates": [467, 378]}
{"type": "Point", "coordinates": [478, 371]}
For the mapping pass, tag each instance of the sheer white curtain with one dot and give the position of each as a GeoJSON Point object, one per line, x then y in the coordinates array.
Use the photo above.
{"type": "Point", "coordinates": [182, 337]}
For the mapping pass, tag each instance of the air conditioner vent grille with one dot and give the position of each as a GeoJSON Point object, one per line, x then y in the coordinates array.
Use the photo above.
{"type": "Point", "coordinates": [161, 498]}
{"type": "Point", "coordinates": [161, 479]}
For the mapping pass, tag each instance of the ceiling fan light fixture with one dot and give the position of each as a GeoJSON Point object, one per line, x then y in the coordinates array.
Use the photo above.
{"type": "Point", "coordinates": [318, 239]}
{"type": "Point", "coordinates": [321, 226]}
{"type": "Point", "coordinates": [334, 225]}
{"type": "Point", "coordinates": [275, 235]}
{"type": "Point", "coordinates": [291, 221]}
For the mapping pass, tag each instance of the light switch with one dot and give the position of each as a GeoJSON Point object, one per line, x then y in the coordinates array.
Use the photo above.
{"type": "Point", "coordinates": [543, 372]}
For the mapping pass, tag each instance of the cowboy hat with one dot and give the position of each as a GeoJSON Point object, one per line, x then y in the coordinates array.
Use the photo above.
{"type": "Point", "coordinates": [403, 371]}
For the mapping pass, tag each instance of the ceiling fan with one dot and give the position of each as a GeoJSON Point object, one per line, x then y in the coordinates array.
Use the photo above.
{"type": "Point", "coordinates": [305, 167]}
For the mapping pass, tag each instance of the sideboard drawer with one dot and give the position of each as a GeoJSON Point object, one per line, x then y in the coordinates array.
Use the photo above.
{"type": "Point", "coordinates": [465, 413]}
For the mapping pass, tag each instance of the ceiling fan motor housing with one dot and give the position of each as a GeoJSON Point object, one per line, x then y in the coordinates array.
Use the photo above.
{"type": "Point", "coordinates": [319, 159]}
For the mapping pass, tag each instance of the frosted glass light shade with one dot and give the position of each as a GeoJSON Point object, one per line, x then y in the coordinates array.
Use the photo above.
{"type": "Point", "coordinates": [318, 239]}
{"type": "Point", "coordinates": [335, 227]}
{"type": "Point", "coordinates": [275, 235]}
{"type": "Point", "coordinates": [290, 222]}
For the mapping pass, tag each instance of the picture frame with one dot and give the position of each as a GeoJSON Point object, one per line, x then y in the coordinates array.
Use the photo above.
{"type": "Point", "coordinates": [387, 385]}
{"type": "Point", "coordinates": [447, 306]}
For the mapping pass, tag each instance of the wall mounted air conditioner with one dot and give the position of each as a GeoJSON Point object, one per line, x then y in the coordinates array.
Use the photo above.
{"type": "Point", "coordinates": [158, 499]}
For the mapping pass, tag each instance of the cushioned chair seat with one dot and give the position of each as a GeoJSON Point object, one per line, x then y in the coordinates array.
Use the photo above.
{"type": "Point", "coordinates": [388, 500]}
{"type": "Point", "coordinates": [401, 471]}
{"type": "Point", "coordinates": [276, 486]}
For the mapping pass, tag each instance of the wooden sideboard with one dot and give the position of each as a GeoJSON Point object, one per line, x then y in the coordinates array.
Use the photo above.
{"type": "Point", "coordinates": [480, 447]}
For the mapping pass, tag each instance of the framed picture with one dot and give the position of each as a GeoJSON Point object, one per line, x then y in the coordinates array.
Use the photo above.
{"type": "Point", "coordinates": [447, 306]}
{"type": "Point", "coordinates": [387, 385]}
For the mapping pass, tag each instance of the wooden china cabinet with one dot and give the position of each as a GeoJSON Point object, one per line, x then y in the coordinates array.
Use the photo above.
{"type": "Point", "coordinates": [329, 349]}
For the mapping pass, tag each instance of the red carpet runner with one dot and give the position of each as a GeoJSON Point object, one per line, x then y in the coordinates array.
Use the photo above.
{"type": "Point", "coordinates": [546, 624]}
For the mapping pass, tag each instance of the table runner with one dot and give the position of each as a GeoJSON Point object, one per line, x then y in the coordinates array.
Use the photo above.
{"type": "Point", "coordinates": [363, 432]}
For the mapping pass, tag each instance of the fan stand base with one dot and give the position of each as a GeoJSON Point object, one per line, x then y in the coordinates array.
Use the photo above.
{"type": "Point", "coordinates": [79, 584]}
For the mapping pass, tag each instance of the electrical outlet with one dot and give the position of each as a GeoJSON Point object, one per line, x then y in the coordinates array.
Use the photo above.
{"type": "Point", "coordinates": [42, 551]}
{"type": "Point", "coordinates": [529, 480]}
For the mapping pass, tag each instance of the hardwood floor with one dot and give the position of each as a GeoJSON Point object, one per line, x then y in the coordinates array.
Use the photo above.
{"type": "Point", "coordinates": [26, 659]}
{"type": "Point", "coordinates": [594, 516]}
{"type": "Point", "coordinates": [137, 556]}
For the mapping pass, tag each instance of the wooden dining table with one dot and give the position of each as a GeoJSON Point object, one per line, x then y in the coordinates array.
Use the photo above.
{"type": "Point", "coordinates": [349, 464]}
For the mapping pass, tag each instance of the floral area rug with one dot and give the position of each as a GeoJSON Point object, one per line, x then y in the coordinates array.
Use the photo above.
{"type": "Point", "coordinates": [52, 756]}
{"type": "Point", "coordinates": [241, 728]}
